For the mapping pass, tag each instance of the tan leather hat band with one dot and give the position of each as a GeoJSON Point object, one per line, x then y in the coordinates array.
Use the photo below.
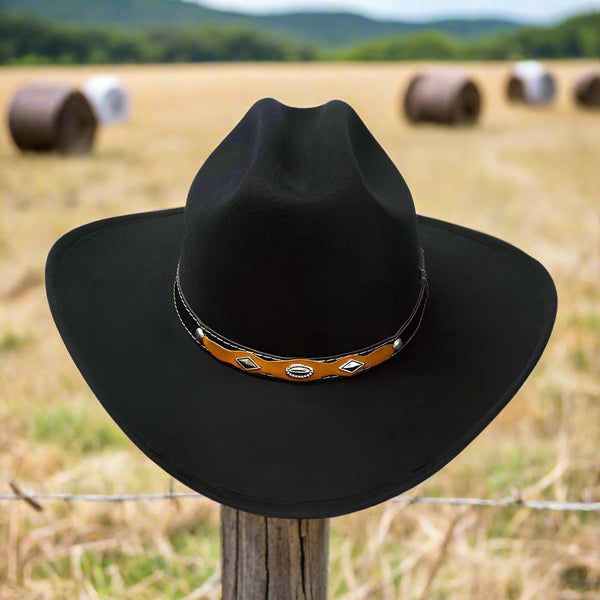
{"type": "Point", "coordinates": [299, 369]}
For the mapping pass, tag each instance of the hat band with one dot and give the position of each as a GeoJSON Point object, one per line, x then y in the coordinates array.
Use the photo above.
{"type": "Point", "coordinates": [300, 369]}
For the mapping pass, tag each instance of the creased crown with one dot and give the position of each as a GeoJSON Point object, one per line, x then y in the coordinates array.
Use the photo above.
{"type": "Point", "coordinates": [300, 234]}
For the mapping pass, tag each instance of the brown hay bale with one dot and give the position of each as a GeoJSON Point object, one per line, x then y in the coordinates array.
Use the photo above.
{"type": "Point", "coordinates": [587, 90]}
{"type": "Point", "coordinates": [515, 90]}
{"type": "Point", "coordinates": [47, 117]}
{"type": "Point", "coordinates": [445, 96]}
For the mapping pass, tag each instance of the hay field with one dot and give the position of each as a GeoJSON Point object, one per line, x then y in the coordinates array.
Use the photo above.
{"type": "Point", "coordinates": [530, 176]}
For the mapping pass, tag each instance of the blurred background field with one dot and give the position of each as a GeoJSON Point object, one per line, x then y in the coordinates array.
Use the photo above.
{"type": "Point", "coordinates": [530, 176]}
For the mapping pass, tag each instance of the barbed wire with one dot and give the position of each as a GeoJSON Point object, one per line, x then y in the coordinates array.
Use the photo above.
{"type": "Point", "coordinates": [502, 502]}
{"type": "Point", "coordinates": [34, 500]}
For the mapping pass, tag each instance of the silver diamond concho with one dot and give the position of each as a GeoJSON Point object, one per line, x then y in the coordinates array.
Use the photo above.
{"type": "Point", "coordinates": [352, 366]}
{"type": "Point", "coordinates": [298, 371]}
{"type": "Point", "coordinates": [247, 363]}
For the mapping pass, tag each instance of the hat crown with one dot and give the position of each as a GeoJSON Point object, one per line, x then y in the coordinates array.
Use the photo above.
{"type": "Point", "coordinates": [300, 234]}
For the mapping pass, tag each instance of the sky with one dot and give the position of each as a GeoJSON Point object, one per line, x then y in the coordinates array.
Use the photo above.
{"type": "Point", "coordinates": [528, 10]}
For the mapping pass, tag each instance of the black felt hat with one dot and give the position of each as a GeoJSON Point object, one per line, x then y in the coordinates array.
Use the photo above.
{"type": "Point", "coordinates": [298, 342]}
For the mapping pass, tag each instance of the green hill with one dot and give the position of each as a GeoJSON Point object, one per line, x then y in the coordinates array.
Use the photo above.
{"type": "Point", "coordinates": [31, 40]}
{"type": "Point", "coordinates": [332, 29]}
{"type": "Point", "coordinates": [576, 37]}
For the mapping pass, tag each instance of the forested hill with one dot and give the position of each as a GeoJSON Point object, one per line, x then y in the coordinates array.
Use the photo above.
{"type": "Point", "coordinates": [331, 29]}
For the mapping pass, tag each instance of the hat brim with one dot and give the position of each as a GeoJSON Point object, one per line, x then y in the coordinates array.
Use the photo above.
{"type": "Point", "coordinates": [297, 450]}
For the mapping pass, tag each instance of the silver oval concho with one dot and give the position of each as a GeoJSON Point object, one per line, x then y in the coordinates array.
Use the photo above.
{"type": "Point", "coordinates": [299, 371]}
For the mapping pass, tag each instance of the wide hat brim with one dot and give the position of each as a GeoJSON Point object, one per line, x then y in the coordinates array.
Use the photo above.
{"type": "Point", "coordinates": [297, 450]}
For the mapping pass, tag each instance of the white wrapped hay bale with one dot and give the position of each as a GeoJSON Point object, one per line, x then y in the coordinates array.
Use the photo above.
{"type": "Point", "coordinates": [108, 97]}
{"type": "Point", "coordinates": [531, 83]}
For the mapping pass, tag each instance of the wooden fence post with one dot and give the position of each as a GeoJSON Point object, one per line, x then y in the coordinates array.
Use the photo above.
{"type": "Point", "coordinates": [273, 559]}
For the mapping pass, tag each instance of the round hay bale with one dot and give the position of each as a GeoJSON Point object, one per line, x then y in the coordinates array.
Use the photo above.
{"type": "Point", "coordinates": [531, 83]}
{"type": "Point", "coordinates": [52, 117]}
{"type": "Point", "coordinates": [108, 97]}
{"type": "Point", "coordinates": [587, 90]}
{"type": "Point", "coordinates": [446, 96]}
{"type": "Point", "coordinates": [515, 89]}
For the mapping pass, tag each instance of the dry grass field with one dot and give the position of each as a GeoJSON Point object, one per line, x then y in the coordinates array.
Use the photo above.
{"type": "Point", "coordinates": [530, 176]}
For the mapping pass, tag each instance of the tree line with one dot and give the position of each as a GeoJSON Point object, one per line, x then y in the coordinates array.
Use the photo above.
{"type": "Point", "coordinates": [577, 37]}
{"type": "Point", "coordinates": [26, 40]}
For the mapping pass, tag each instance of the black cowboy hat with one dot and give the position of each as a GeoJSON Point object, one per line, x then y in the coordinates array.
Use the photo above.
{"type": "Point", "coordinates": [298, 342]}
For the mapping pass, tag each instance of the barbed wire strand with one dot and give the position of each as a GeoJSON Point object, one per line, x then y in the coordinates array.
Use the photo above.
{"type": "Point", "coordinates": [408, 500]}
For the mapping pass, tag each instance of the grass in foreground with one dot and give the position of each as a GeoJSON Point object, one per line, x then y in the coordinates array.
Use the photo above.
{"type": "Point", "coordinates": [528, 176]}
